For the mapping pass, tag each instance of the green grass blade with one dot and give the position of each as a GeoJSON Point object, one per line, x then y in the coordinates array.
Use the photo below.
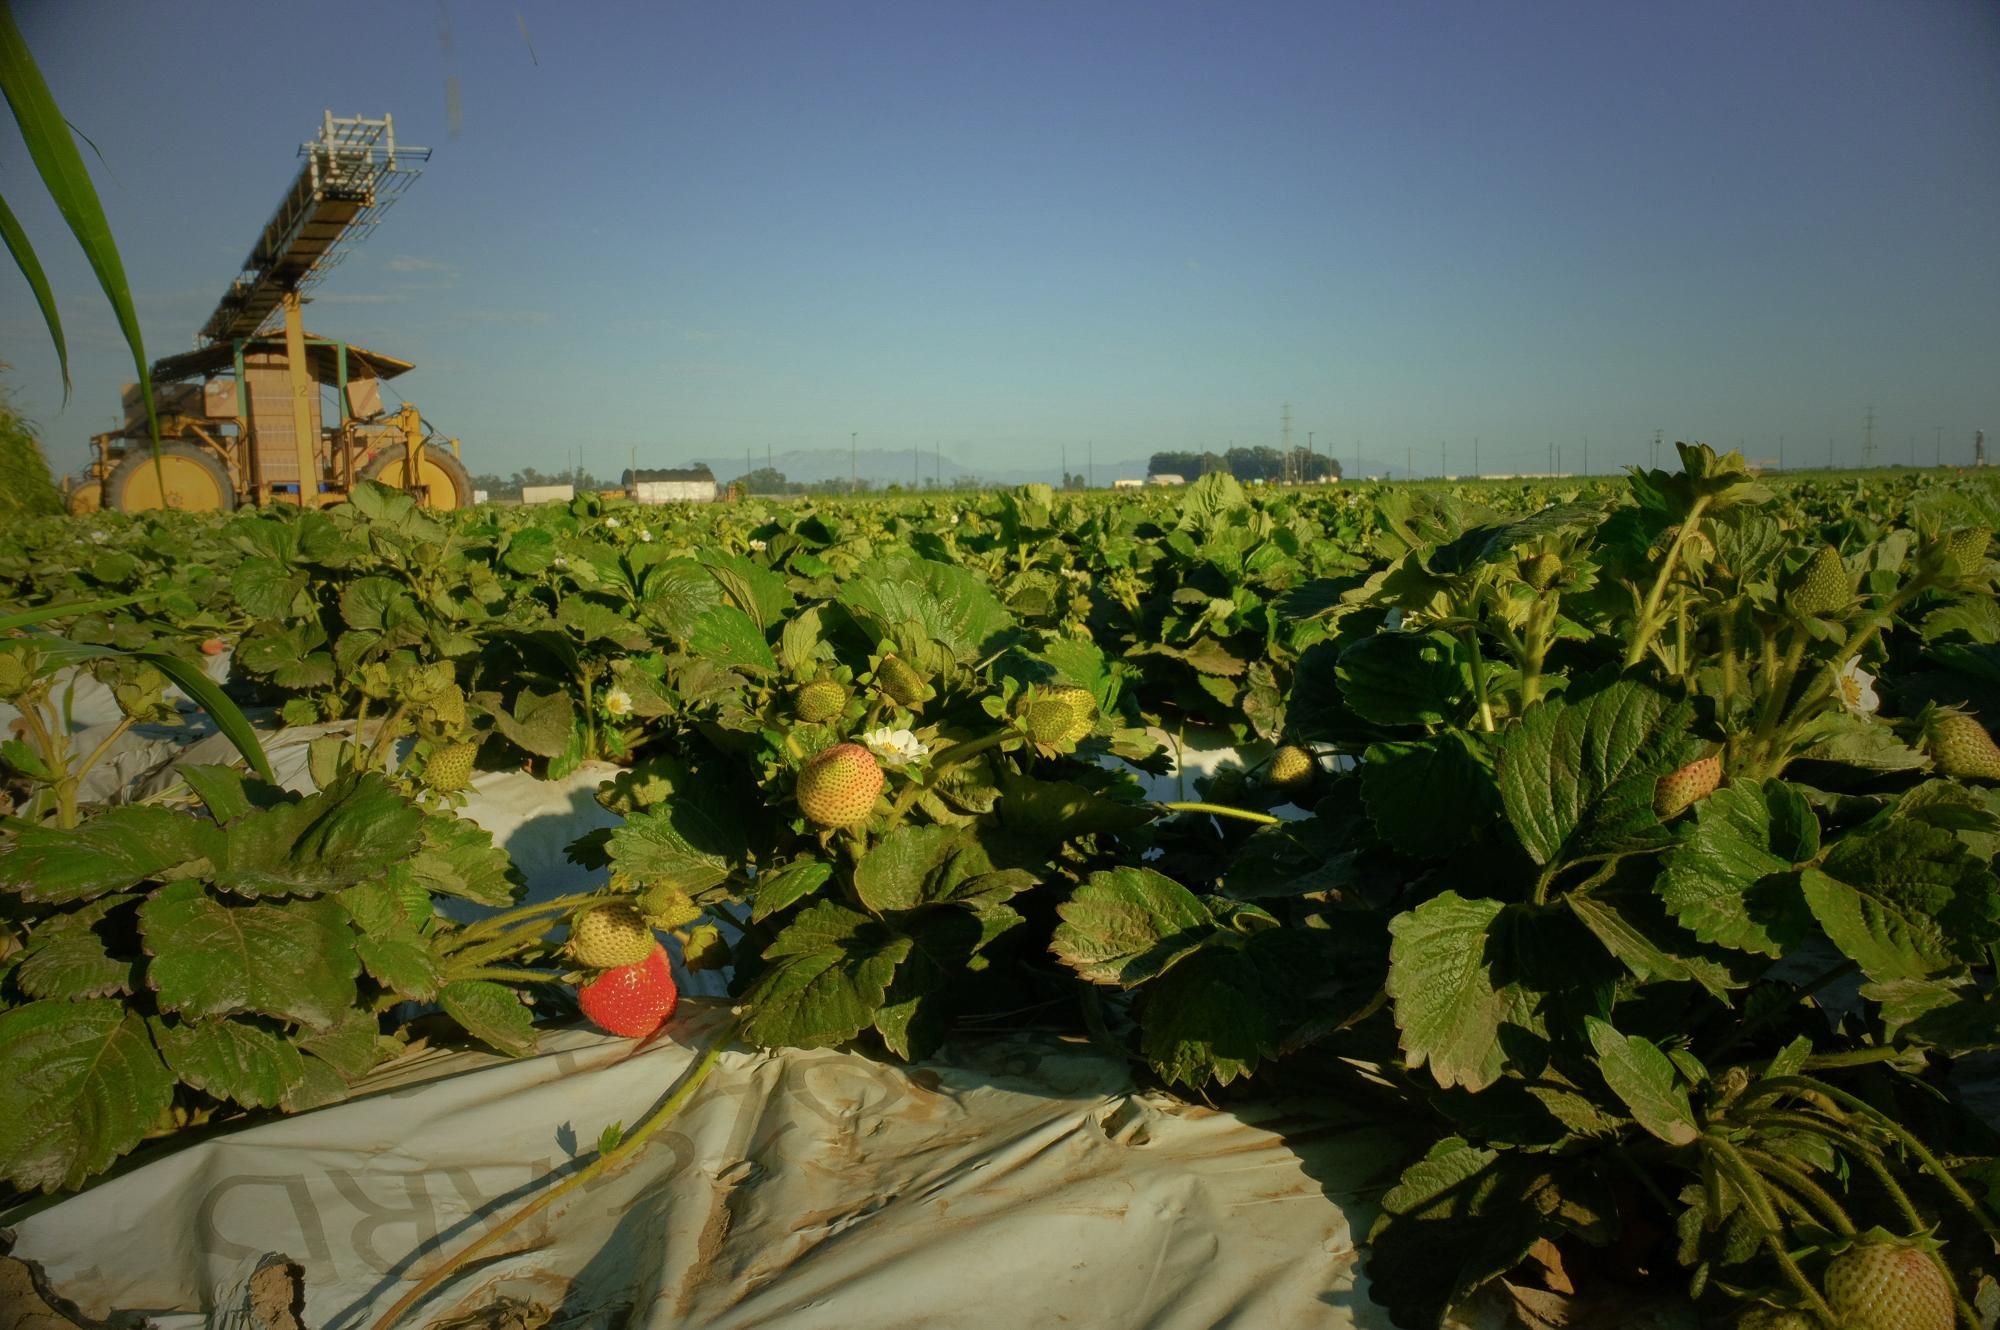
{"type": "Point", "coordinates": [43, 613]}
{"type": "Point", "coordinates": [55, 156]}
{"type": "Point", "coordinates": [228, 717]}
{"type": "Point", "coordinates": [31, 268]}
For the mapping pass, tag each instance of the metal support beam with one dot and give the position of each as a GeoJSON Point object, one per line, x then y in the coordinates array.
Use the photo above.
{"type": "Point", "coordinates": [303, 388]}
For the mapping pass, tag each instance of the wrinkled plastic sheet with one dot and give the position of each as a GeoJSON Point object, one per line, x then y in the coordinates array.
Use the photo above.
{"type": "Point", "coordinates": [1019, 1181]}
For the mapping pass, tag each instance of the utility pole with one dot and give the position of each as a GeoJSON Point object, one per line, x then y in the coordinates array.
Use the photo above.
{"type": "Point", "coordinates": [1868, 438]}
{"type": "Point", "coordinates": [1475, 457]}
{"type": "Point", "coordinates": [1311, 470]}
{"type": "Point", "coordinates": [1586, 456]}
{"type": "Point", "coordinates": [853, 462]}
{"type": "Point", "coordinates": [937, 463]}
{"type": "Point", "coordinates": [1657, 434]}
{"type": "Point", "coordinates": [1065, 466]}
{"type": "Point", "coordinates": [1444, 459]}
{"type": "Point", "coordinates": [1409, 463]}
{"type": "Point", "coordinates": [1781, 452]}
{"type": "Point", "coordinates": [1090, 461]}
{"type": "Point", "coordinates": [1285, 437]}
{"type": "Point", "coordinates": [1938, 460]}
{"type": "Point", "coordinates": [1357, 460]}
{"type": "Point", "coordinates": [1552, 457]}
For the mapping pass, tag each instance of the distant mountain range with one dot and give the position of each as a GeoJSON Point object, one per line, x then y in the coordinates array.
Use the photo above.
{"type": "Point", "coordinates": [882, 466]}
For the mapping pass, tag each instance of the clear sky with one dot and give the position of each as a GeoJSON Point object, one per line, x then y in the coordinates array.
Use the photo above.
{"type": "Point", "coordinates": [701, 228]}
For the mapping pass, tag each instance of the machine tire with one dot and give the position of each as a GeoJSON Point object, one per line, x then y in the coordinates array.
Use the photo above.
{"type": "Point", "coordinates": [449, 483]}
{"type": "Point", "coordinates": [85, 498]}
{"type": "Point", "coordinates": [196, 481]}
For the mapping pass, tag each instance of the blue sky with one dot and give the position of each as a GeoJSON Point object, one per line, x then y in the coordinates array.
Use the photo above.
{"type": "Point", "coordinates": [1009, 227]}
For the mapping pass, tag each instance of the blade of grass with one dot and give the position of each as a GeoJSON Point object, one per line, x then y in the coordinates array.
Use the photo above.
{"type": "Point", "coordinates": [228, 717]}
{"type": "Point", "coordinates": [54, 153]}
{"type": "Point", "coordinates": [43, 613]}
{"type": "Point", "coordinates": [31, 268]}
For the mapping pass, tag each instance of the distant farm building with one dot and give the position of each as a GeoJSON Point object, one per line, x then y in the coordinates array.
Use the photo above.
{"type": "Point", "coordinates": [687, 484]}
{"type": "Point", "coordinates": [547, 493]}
{"type": "Point", "coordinates": [1128, 484]}
{"type": "Point", "coordinates": [1167, 478]}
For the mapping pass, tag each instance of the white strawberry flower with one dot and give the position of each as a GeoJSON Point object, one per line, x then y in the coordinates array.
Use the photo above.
{"type": "Point", "coordinates": [895, 747]}
{"type": "Point", "coordinates": [559, 563]}
{"type": "Point", "coordinates": [1857, 688]}
{"type": "Point", "coordinates": [645, 535]}
{"type": "Point", "coordinates": [618, 702]}
{"type": "Point", "coordinates": [758, 546]}
{"type": "Point", "coordinates": [613, 523]}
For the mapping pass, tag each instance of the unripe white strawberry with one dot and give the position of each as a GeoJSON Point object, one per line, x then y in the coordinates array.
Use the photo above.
{"type": "Point", "coordinates": [1960, 745]}
{"type": "Point", "coordinates": [1083, 711]}
{"type": "Point", "coordinates": [450, 767]}
{"type": "Point", "coordinates": [1292, 767]}
{"type": "Point", "coordinates": [1678, 790]}
{"type": "Point", "coordinates": [1888, 1285]}
{"type": "Point", "coordinates": [822, 699]}
{"type": "Point", "coordinates": [608, 934]}
{"type": "Point", "coordinates": [837, 788]}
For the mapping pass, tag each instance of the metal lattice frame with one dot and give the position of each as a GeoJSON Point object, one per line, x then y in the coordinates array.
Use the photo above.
{"type": "Point", "coordinates": [352, 173]}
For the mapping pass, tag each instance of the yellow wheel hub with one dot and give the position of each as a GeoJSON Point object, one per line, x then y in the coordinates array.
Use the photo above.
{"type": "Point", "coordinates": [190, 486]}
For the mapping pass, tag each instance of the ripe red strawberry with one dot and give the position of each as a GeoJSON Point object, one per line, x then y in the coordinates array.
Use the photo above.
{"type": "Point", "coordinates": [1677, 790]}
{"type": "Point", "coordinates": [838, 787]}
{"type": "Point", "coordinates": [1960, 745]}
{"type": "Point", "coordinates": [1884, 1283]}
{"type": "Point", "coordinates": [214, 646]}
{"type": "Point", "coordinates": [1292, 767]}
{"type": "Point", "coordinates": [631, 1000]}
{"type": "Point", "coordinates": [607, 934]}
{"type": "Point", "coordinates": [822, 699]}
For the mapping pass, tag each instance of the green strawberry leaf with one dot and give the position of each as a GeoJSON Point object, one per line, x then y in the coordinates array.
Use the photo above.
{"type": "Point", "coordinates": [80, 1084]}
{"type": "Point", "coordinates": [728, 637]}
{"type": "Point", "coordinates": [1904, 900]}
{"type": "Point", "coordinates": [1209, 1018]}
{"type": "Point", "coordinates": [294, 961]}
{"type": "Point", "coordinates": [66, 957]}
{"type": "Point", "coordinates": [1403, 678]}
{"type": "Point", "coordinates": [112, 851]}
{"type": "Point", "coordinates": [891, 876]}
{"type": "Point", "coordinates": [231, 1060]}
{"type": "Point", "coordinates": [677, 843]}
{"type": "Point", "coordinates": [1403, 785]}
{"type": "Point", "coordinates": [947, 604]}
{"type": "Point", "coordinates": [788, 885]}
{"type": "Point", "coordinates": [458, 858]}
{"type": "Point", "coordinates": [1731, 880]}
{"type": "Point", "coordinates": [1449, 1004]}
{"type": "Point", "coordinates": [1129, 925]}
{"type": "Point", "coordinates": [491, 1013]}
{"type": "Point", "coordinates": [1642, 1077]}
{"type": "Point", "coordinates": [1577, 777]}
{"type": "Point", "coordinates": [353, 830]}
{"type": "Point", "coordinates": [833, 969]}
{"type": "Point", "coordinates": [352, 1046]}
{"type": "Point", "coordinates": [539, 723]}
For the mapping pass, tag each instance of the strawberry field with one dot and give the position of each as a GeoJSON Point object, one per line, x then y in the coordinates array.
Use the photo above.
{"type": "Point", "coordinates": [1624, 849]}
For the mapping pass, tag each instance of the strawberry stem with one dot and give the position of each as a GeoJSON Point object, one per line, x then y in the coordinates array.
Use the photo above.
{"type": "Point", "coordinates": [1224, 810]}
{"type": "Point", "coordinates": [625, 1149]}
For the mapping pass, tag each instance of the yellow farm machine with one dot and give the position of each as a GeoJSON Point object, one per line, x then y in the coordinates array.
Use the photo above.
{"type": "Point", "coordinates": [262, 411]}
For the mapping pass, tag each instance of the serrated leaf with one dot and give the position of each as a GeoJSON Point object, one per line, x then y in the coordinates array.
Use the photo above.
{"type": "Point", "coordinates": [1208, 1019]}
{"type": "Point", "coordinates": [1904, 900]}
{"type": "Point", "coordinates": [912, 1017]}
{"type": "Point", "coordinates": [539, 723]}
{"type": "Point", "coordinates": [1642, 1077]}
{"type": "Point", "coordinates": [111, 851]}
{"type": "Point", "coordinates": [319, 1086]}
{"type": "Point", "coordinates": [1448, 1004]}
{"type": "Point", "coordinates": [891, 876]}
{"type": "Point", "coordinates": [1129, 925]}
{"type": "Point", "coordinates": [727, 636]}
{"type": "Point", "coordinates": [231, 1060]}
{"type": "Point", "coordinates": [1053, 810]}
{"type": "Point", "coordinates": [457, 857]}
{"type": "Point", "coordinates": [1730, 881]}
{"type": "Point", "coordinates": [676, 844]}
{"type": "Point", "coordinates": [1632, 928]}
{"type": "Point", "coordinates": [353, 830]}
{"type": "Point", "coordinates": [66, 958]}
{"type": "Point", "coordinates": [788, 885]}
{"type": "Point", "coordinates": [491, 1013]}
{"type": "Point", "coordinates": [948, 604]}
{"type": "Point", "coordinates": [833, 968]}
{"type": "Point", "coordinates": [1403, 785]}
{"type": "Point", "coordinates": [1578, 777]}
{"type": "Point", "coordinates": [80, 1084]}
{"type": "Point", "coordinates": [352, 1046]}
{"type": "Point", "coordinates": [294, 961]}
{"type": "Point", "coordinates": [1403, 678]}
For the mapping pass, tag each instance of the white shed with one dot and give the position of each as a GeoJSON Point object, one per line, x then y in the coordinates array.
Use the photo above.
{"type": "Point", "coordinates": [1167, 478]}
{"type": "Point", "coordinates": [547, 493]}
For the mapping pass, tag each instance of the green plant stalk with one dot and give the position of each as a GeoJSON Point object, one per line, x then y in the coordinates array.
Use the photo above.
{"type": "Point", "coordinates": [1223, 810]}
{"type": "Point", "coordinates": [676, 1099]}
{"type": "Point", "coordinates": [1757, 1201]}
{"type": "Point", "coordinates": [1680, 632]}
{"type": "Point", "coordinates": [1725, 627]}
{"type": "Point", "coordinates": [384, 736]}
{"type": "Point", "coordinates": [1648, 625]}
{"type": "Point", "coordinates": [1479, 678]}
{"type": "Point", "coordinates": [494, 923]}
{"type": "Point", "coordinates": [506, 974]}
{"type": "Point", "coordinates": [1796, 1179]}
{"type": "Point", "coordinates": [1808, 1084]}
{"type": "Point", "coordinates": [959, 752]}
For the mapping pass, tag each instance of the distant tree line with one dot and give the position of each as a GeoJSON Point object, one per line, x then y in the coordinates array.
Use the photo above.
{"type": "Point", "coordinates": [1247, 464]}
{"type": "Point", "coordinates": [509, 487]}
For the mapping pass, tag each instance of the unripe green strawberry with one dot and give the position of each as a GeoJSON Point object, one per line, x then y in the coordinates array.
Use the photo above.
{"type": "Point", "coordinates": [900, 680]}
{"type": "Point", "coordinates": [1083, 711]}
{"type": "Point", "coordinates": [1292, 767]}
{"type": "Point", "coordinates": [1677, 790]}
{"type": "Point", "coordinates": [1823, 586]}
{"type": "Point", "coordinates": [838, 787]}
{"type": "Point", "coordinates": [1049, 720]}
{"type": "Point", "coordinates": [1775, 1318]}
{"type": "Point", "coordinates": [822, 699]}
{"type": "Point", "coordinates": [1539, 570]}
{"type": "Point", "coordinates": [609, 934]}
{"type": "Point", "coordinates": [1960, 745]}
{"type": "Point", "coordinates": [667, 906]}
{"type": "Point", "coordinates": [1967, 548]}
{"type": "Point", "coordinates": [632, 1000]}
{"type": "Point", "coordinates": [450, 767]}
{"type": "Point", "coordinates": [449, 707]}
{"type": "Point", "coordinates": [1888, 1285]}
